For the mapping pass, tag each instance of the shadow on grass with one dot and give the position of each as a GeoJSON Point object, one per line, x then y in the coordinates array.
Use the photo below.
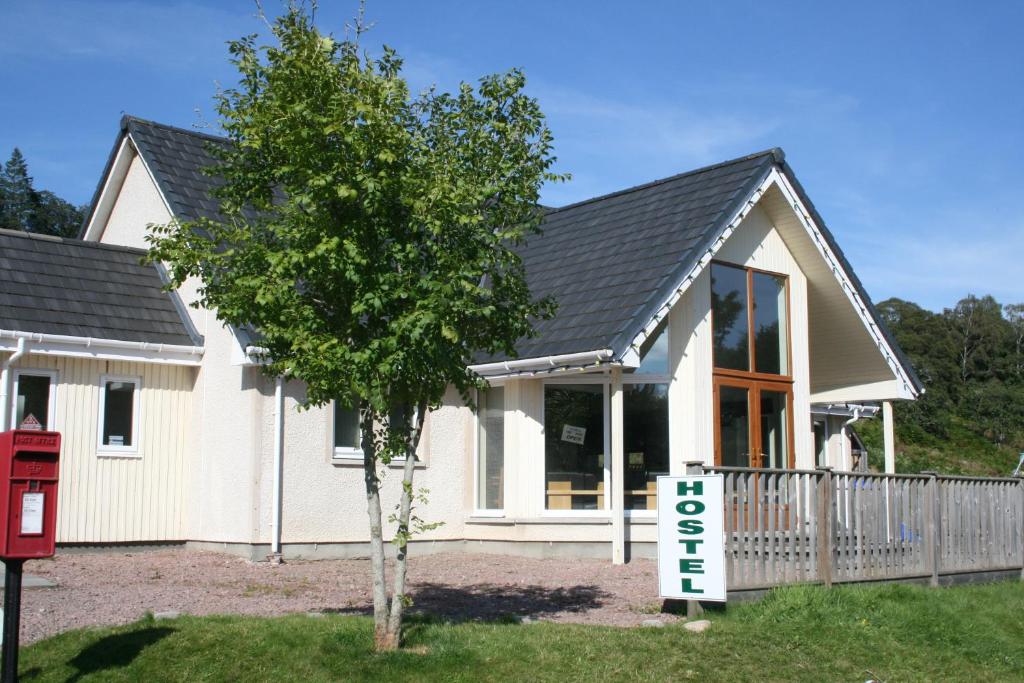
{"type": "Point", "coordinates": [495, 602]}
{"type": "Point", "coordinates": [116, 651]}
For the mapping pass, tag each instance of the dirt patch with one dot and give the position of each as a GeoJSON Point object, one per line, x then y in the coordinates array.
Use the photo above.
{"type": "Point", "coordinates": [117, 588]}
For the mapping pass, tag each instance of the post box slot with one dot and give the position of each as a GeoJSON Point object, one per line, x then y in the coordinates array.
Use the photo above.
{"type": "Point", "coordinates": [33, 465]}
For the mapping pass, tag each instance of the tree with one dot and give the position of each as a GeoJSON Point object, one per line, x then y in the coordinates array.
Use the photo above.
{"type": "Point", "coordinates": [52, 215]}
{"type": "Point", "coordinates": [17, 198]}
{"type": "Point", "coordinates": [22, 207]}
{"type": "Point", "coordinates": [375, 254]}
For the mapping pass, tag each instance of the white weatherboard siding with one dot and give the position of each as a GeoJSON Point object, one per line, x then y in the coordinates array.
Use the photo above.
{"type": "Point", "coordinates": [104, 499]}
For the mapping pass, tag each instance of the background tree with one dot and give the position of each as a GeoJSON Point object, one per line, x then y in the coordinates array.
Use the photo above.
{"type": "Point", "coordinates": [22, 207]}
{"type": "Point", "coordinates": [381, 259]}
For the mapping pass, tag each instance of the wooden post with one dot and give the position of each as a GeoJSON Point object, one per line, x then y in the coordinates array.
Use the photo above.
{"type": "Point", "coordinates": [618, 471]}
{"type": "Point", "coordinates": [889, 437]}
{"type": "Point", "coordinates": [694, 468]}
{"type": "Point", "coordinates": [1020, 523]}
{"type": "Point", "coordinates": [824, 515]}
{"type": "Point", "coordinates": [933, 526]}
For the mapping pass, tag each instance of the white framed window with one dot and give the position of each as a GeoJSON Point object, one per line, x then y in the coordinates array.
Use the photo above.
{"type": "Point", "coordinates": [489, 482]}
{"type": "Point", "coordinates": [576, 418]}
{"type": "Point", "coordinates": [347, 430]}
{"type": "Point", "coordinates": [347, 433]}
{"type": "Point", "coordinates": [33, 398]}
{"type": "Point", "coordinates": [118, 430]}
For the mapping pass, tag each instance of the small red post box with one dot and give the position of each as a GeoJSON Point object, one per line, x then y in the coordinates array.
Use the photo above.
{"type": "Point", "coordinates": [29, 467]}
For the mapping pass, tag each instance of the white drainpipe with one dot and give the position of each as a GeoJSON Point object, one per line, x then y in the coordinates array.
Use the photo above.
{"type": "Point", "coordinates": [5, 382]}
{"type": "Point", "coordinates": [848, 452]}
{"type": "Point", "coordinates": [275, 519]}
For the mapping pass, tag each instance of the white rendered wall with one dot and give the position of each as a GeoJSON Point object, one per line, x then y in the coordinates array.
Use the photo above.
{"type": "Point", "coordinates": [138, 204]}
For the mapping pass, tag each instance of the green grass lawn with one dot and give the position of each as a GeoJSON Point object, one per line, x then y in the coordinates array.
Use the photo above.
{"type": "Point", "coordinates": [888, 632]}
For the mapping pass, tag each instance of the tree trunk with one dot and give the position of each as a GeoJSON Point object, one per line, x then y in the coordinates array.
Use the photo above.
{"type": "Point", "coordinates": [394, 629]}
{"type": "Point", "coordinates": [380, 595]}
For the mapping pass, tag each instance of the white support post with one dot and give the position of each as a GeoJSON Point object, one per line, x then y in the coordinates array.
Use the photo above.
{"type": "Point", "coordinates": [618, 472]}
{"type": "Point", "coordinates": [275, 502]}
{"type": "Point", "coordinates": [889, 437]}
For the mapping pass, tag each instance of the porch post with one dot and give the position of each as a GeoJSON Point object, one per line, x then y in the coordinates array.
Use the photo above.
{"type": "Point", "coordinates": [618, 472]}
{"type": "Point", "coordinates": [889, 438]}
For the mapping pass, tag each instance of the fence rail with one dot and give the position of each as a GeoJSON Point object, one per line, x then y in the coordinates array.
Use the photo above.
{"type": "Point", "coordinates": [790, 526]}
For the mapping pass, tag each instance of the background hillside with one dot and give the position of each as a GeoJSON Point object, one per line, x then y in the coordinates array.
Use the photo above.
{"type": "Point", "coordinates": [971, 360]}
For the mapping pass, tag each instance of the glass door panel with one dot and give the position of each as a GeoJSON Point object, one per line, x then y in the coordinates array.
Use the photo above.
{"type": "Point", "coordinates": [774, 406]}
{"type": "Point", "coordinates": [734, 426]}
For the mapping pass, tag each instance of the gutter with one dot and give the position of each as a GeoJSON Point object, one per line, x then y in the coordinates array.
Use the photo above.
{"type": "Point", "coordinates": [5, 381]}
{"type": "Point", "coordinates": [528, 365]}
{"type": "Point", "coordinates": [842, 431]}
{"type": "Point", "coordinates": [189, 352]}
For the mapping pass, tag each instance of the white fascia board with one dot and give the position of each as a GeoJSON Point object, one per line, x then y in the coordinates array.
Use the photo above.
{"type": "Point", "coordinates": [111, 189]}
{"type": "Point", "coordinates": [905, 385]}
{"type": "Point", "coordinates": [152, 179]}
{"type": "Point", "coordinates": [102, 349]}
{"type": "Point", "coordinates": [544, 364]}
{"type": "Point", "coordinates": [844, 409]}
{"type": "Point", "coordinates": [906, 390]}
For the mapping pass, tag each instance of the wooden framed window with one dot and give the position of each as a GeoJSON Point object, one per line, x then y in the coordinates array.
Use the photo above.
{"type": "Point", "coordinates": [753, 384]}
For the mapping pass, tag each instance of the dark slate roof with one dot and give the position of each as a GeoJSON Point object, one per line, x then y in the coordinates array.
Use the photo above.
{"type": "Point", "coordinates": [50, 285]}
{"type": "Point", "coordinates": [609, 261]}
{"type": "Point", "coordinates": [612, 260]}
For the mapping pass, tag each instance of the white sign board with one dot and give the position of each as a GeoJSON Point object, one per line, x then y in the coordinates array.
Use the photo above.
{"type": "Point", "coordinates": [576, 435]}
{"type": "Point", "coordinates": [691, 541]}
{"type": "Point", "coordinates": [32, 513]}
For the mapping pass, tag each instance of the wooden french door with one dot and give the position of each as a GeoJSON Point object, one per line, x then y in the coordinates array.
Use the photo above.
{"type": "Point", "coordinates": [753, 423]}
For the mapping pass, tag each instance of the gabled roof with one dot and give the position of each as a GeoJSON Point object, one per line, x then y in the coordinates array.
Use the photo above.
{"type": "Point", "coordinates": [610, 262]}
{"type": "Point", "coordinates": [55, 286]}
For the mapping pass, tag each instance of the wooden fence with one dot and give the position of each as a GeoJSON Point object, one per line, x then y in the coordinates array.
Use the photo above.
{"type": "Point", "coordinates": [790, 526]}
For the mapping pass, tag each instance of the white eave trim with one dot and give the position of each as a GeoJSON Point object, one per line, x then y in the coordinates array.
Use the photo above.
{"type": "Point", "coordinates": [111, 189]}
{"type": "Point", "coordinates": [102, 349]}
{"type": "Point", "coordinates": [545, 365]}
{"type": "Point", "coordinates": [845, 409]}
{"type": "Point", "coordinates": [774, 177]}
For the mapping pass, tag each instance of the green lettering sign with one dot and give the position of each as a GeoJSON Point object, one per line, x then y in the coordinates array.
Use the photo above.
{"type": "Point", "coordinates": [690, 507]}
{"type": "Point", "coordinates": [691, 545]}
{"type": "Point", "coordinates": [693, 566]}
{"type": "Point", "coordinates": [691, 527]}
{"type": "Point", "coordinates": [688, 587]}
{"type": "Point", "coordinates": [684, 488]}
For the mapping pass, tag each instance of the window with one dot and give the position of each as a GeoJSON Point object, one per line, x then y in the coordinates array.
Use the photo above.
{"type": "Point", "coordinates": [574, 446]}
{"type": "Point", "coordinates": [347, 435]}
{"type": "Point", "coordinates": [119, 418]}
{"type": "Point", "coordinates": [645, 446]}
{"type": "Point", "coordinates": [753, 387]}
{"type": "Point", "coordinates": [490, 465]}
{"type": "Point", "coordinates": [33, 399]}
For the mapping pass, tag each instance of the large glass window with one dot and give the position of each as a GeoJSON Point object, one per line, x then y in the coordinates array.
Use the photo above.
{"type": "Point", "coordinates": [730, 321]}
{"type": "Point", "coordinates": [119, 403]}
{"type": "Point", "coordinates": [32, 400]}
{"type": "Point", "coordinates": [753, 388]}
{"type": "Point", "coordinates": [771, 347]}
{"type": "Point", "coordinates": [490, 467]}
{"type": "Point", "coordinates": [645, 447]}
{"type": "Point", "coordinates": [574, 446]}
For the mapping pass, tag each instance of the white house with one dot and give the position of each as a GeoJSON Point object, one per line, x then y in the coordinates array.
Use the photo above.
{"type": "Point", "coordinates": [708, 316]}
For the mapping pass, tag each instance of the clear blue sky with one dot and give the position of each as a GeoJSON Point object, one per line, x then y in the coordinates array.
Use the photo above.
{"type": "Point", "coordinates": [904, 120]}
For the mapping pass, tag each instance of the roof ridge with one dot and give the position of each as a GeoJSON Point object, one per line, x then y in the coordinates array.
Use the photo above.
{"type": "Point", "coordinates": [775, 152]}
{"type": "Point", "coordinates": [129, 119]}
{"type": "Point", "coordinates": [72, 241]}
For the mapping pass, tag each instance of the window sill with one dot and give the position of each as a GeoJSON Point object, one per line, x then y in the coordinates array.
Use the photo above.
{"type": "Point", "coordinates": [358, 462]}
{"type": "Point", "coordinates": [495, 521]}
{"type": "Point", "coordinates": [130, 455]}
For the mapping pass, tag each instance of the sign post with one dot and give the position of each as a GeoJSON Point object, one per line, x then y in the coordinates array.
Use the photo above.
{"type": "Point", "coordinates": [691, 543]}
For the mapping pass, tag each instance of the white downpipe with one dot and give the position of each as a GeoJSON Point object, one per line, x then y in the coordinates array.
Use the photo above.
{"type": "Point", "coordinates": [847, 448]}
{"type": "Point", "coordinates": [275, 518]}
{"type": "Point", "coordinates": [5, 382]}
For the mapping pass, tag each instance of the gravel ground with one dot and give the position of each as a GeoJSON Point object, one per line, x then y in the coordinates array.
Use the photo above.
{"type": "Point", "coordinates": [117, 588]}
